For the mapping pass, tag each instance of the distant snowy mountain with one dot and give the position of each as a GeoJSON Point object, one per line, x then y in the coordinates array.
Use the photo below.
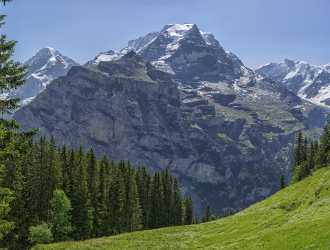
{"type": "Point", "coordinates": [47, 65]}
{"type": "Point", "coordinates": [308, 81]}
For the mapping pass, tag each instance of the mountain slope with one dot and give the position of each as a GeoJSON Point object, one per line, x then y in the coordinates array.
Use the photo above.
{"type": "Point", "coordinates": [293, 219]}
{"type": "Point", "coordinates": [223, 130]}
{"type": "Point", "coordinates": [308, 81]}
{"type": "Point", "coordinates": [45, 66]}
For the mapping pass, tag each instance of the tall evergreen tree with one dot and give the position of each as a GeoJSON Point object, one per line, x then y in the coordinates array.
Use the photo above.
{"type": "Point", "coordinates": [167, 181]}
{"type": "Point", "coordinates": [131, 208]}
{"type": "Point", "coordinates": [324, 146]}
{"type": "Point", "coordinates": [6, 196]}
{"type": "Point", "coordinates": [143, 182]}
{"type": "Point", "coordinates": [189, 213]}
{"type": "Point", "coordinates": [282, 182]}
{"type": "Point", "coordinates": [81, 209]}
{"type": "Point", "coordinates": [177, 204]}
{"type": "Point", "coordinates": [92, 189]}
{"type": "Point", "coordinates": [116, 194]}
{"type": "Point", "coordinates": [207, 214]}
{"type": "Point", "coordinates": [156, 215]}
{"type": "Point", "coordinates": [298, 155]}
{"type": "Point", "coordinates": [102, 196]}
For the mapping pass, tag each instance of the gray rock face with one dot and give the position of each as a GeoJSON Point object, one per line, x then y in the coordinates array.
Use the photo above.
{"type": "Point", "coordinates": [225, 131]}
{"type": "Point", "coordinates": [308, 81]}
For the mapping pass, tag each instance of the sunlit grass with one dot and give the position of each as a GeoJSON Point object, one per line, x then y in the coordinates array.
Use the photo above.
{"type": "Point", "coordinates": [297, 217]}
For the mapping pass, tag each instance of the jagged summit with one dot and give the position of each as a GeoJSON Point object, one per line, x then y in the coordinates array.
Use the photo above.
{"type": "Point", "coordinates": [46, 65]}
{"type": "Point", "coordinates": [310, 82]}
{"type": "Point", "coordinates": [184, 51]}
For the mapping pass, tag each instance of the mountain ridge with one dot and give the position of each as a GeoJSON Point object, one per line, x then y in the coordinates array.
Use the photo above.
{"type": "Point", "coordinates": [310, 82]}
{"type": "Point", "coordinates": [225, 131]}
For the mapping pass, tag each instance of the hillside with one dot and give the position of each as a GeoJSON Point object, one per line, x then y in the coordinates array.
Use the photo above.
{"type": "Point", "coordinates": [296, 218]}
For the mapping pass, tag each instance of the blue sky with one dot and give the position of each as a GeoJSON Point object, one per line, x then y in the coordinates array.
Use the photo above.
{"type": "Point", "coordinates": [258, 31]}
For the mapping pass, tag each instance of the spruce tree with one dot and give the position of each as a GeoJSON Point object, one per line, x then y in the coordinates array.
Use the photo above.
{"type": "Point", "coordinates": [116, 197]}
{"type": "Point", "coordinates": [282, 182]}
{"type": "Point", "coordinates": [92, 189]}
{"type": "Point", "coordinates": [177, 204]}
{"type": "Point", "coordinates": [156, 214]}
{"type": "Point", "coordinates": [143, 182]}
{"type": "Point", "coordinates": [11, 76]}
{"type": "Point", "coordinates": [189, 213]}
{"type": "Point", "coordinates": [167, 182]}
{"type": "Point", "coordinates": [6, 196]}
{"type": "Point", "coordinates": [81, 209]}
{"type": "Point", "coordinates": [207, 214]}
{"type": "Point", "coordinates": [102, 196]}
{"type": "Point", "coordinates": [64, 168]}
{"type": "Point", "coordinates": [324, 146]}
{"type": "Point", "coordinates": [131, 208]}
{"type": "Point", "coordinates": [298, 155]}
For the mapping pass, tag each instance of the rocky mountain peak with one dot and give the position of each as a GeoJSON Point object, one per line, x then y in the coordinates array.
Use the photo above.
{"type": "Point", "coordinates": [310, 82]}
{"type": "Point", "coordinates": [46, 65]}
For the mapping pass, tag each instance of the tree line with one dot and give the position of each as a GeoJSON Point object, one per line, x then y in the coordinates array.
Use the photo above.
{"type": "Point", "coordinates": [61, 194]}
{"type": "Point", "coordinates": [310, 155]}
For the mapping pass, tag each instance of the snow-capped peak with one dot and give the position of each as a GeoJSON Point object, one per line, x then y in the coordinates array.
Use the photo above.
{"type": "Point", "coordinates": [45, 66]}
{"type": "Point", "coordinates": [327, 67]}
{"type": "Point", "coordinates": [310, 82]}
{"type": "Point", "coordinates": [177, 30]}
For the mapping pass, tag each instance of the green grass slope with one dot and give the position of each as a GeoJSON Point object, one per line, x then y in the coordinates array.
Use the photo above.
{"type": "Point", "coordinates": [297, 217]}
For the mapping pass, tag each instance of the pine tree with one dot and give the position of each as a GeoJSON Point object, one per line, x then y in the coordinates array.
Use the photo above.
{"type": "Point", "coordinates": [207, 214]}
{"type": "Point", "coordinates": [116, 198]}
{"type": "Point", "coordinates": [282, 182]}
{"type": "Point", "coordinates": [156, 214]}
{"type": "Point", "coordinates": [189, 214]}
{"type": "Point", "coordinates": [177, 204]}
{"type": "Point", "coordinates": [143, 182]}
{"type": "Point", "coordinates": [11, 73]}
{"type": "Point", "coordinates": [6, 196]}
{"type": "Point", "coordinates": [92, 189]}
{"type": "Point", "coordinates": [298, 156]}
{"type": "Point", "coordinates": [131, 208]}
{"type": "Point", "coordinates": [64, 168]}
{"type": "Point", "coordinates": [102, 196]}
{"type": "Point", "coordinates": [167, 182]}
{"type": "Point", "coordinates": [324, 147]}
{"type": "Point", "coordinates": [81, 209]}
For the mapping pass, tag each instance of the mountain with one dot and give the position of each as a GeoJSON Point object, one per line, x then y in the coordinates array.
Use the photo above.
{"type": "Point", "coordinates": [225, 131]}
{"type": "Point", "coordinates": [46, 65]}
{"type": "Point", "coordinates": [184, 51]}
{"type": "Point", "coordinates": [308, 81]}
{"type": "Point", "coordinates": [293, 219]}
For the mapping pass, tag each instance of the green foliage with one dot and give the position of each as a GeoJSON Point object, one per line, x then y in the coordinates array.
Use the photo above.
{"type": "Point", "coordinates": [60, 216]}
{"type": "Point", "coordinates": [282, 182]}
{"type": "Point", "coordinates": [40, 234]}
{"type": "Point", "coordinates": [207, 214]}
{"type": "Point", "coordinates": [6, 196]}
{"type": "Point", "coordinates": [268, 225]}
{"type": "Point", "coordinates": [310, 155]}
{"type": "Point", "coordinates": [11, 76]}
{"type": "Point", "coordinates": [81, 197]}
{"type": "Point", "coordinates": [188, 211]}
